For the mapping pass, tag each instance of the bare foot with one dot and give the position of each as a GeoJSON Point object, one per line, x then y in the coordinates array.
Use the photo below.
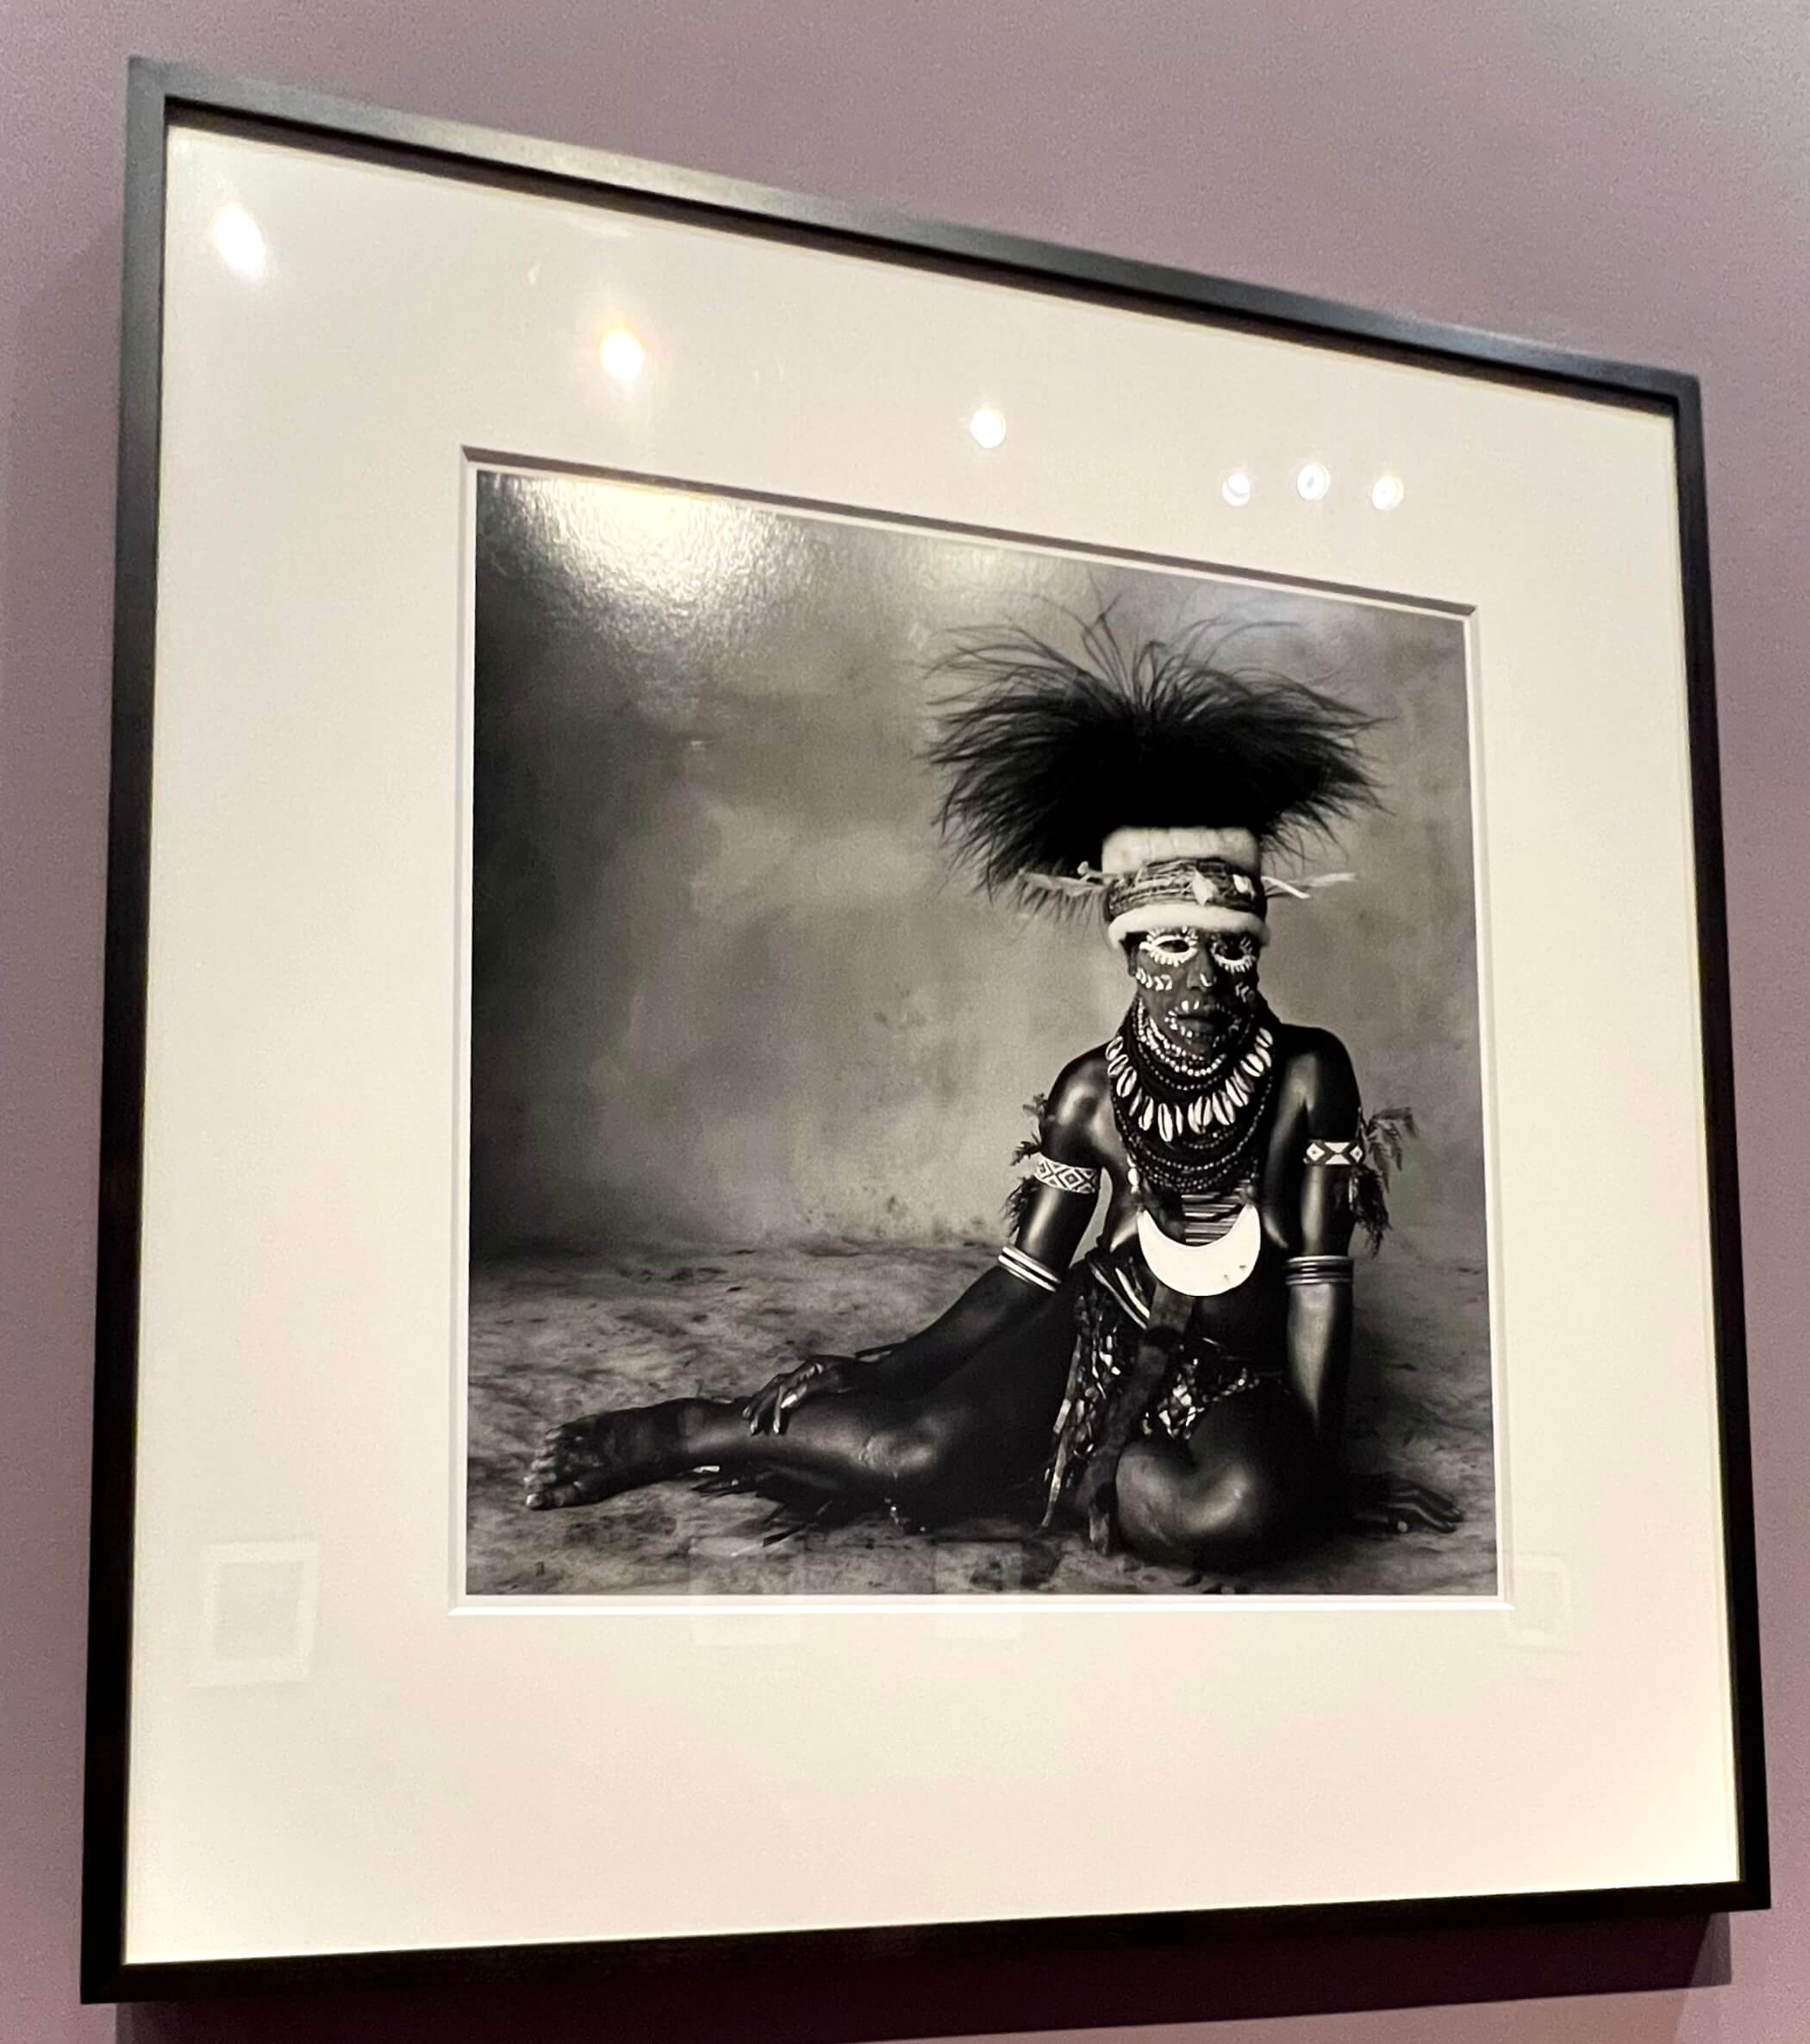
{"type": "Point", "coordinates": [604, 1453]}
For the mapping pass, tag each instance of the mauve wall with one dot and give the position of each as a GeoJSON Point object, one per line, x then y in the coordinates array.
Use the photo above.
{"type": "Point", "coordinates": [1631, 179]}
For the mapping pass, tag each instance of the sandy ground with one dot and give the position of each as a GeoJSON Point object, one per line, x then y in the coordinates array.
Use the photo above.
{"type": "Point", "coordinates": [551, 1339]}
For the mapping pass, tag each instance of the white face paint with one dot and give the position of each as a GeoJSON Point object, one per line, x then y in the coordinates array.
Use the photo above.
{"type": "Point", "coordinates": [1195, 983]}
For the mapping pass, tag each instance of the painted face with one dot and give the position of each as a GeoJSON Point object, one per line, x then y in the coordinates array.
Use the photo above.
{"type": "Point", "coordinates": [1194, 984]}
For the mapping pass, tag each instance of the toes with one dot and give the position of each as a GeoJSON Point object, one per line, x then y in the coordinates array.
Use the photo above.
{"type": "Point", "coordinates": [544, 1474]}
{"type": "Point", "coordinates": [551, 1458]}
{"type": "Point", "coordinates": [554, 1497]}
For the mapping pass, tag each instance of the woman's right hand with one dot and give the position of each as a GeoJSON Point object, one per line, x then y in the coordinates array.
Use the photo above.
{"type": "Point", "coordinates": [817, 1376]}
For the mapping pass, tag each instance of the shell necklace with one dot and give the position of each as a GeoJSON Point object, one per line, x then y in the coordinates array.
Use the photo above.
{"type": "Point", "coordinates": [1185, 1121]}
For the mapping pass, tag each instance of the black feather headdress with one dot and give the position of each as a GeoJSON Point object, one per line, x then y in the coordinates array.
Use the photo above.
{"type": "Point", "coordinates": [1047, 753]}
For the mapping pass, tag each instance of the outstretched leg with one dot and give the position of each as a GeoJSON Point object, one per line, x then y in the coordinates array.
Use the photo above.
{"type": "Point", "coordinates": [1249, 1487]}
{"type": "Point", "coordinates": [954, 1451]}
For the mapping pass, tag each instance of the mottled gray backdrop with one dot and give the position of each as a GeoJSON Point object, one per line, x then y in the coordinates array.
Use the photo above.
{"type": "Point", "coordinates": [726, 985]}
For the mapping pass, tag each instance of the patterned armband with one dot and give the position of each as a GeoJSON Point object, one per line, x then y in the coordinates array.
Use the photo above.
{"type": "Point", "coordinates": [1014, 1259]}
{"type": "Point", "coordinates": [1064, 1178]}
{"type": "Point", "coordinates": [1345, 1157]}
{"type": "Point", "coordinates": [1319, 1270]}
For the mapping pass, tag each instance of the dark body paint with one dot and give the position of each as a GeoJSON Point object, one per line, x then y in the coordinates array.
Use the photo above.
{"type": "Point", "coordinates": [958, 1419]}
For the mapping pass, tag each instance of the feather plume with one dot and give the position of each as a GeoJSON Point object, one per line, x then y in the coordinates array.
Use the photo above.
{"type": "Point", "coordinates": [1386, 1136]}
{"type": "Point", "coordinates": [1018, 1200]}
{"type": "Point", "coordinates": [1047, 751]}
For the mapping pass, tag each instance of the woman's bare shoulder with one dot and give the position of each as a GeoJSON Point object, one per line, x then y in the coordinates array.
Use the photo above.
{"type": "Point", "coordinates": [1316, 1068]}
{"type": "Point", "coordinates": [1071, 1111]}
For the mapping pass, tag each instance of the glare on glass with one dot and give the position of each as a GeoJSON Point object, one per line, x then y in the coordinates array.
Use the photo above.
{"type": "Point", "coordinates": [622, 355]}
{"type": "Point", "coordinates": [241, 243]}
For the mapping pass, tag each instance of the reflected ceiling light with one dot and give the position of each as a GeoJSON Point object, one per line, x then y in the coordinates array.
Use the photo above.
{"type": "Point", "coordinates": [988, 426]}
{"type": "Point", "coordinates": [1387, 492]}
{"type": "Point", "coordinates": [241, 243]}
{"type": "Point", "coordinates": [622, 354]}
{"type": "Point", "coordinates": [1313, 482]}
{"type": "Point", "coordinates": [1236, 489]}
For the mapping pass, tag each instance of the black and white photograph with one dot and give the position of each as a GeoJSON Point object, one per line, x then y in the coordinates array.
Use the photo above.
{"type": "Point", "coordinates": [974, 1069]}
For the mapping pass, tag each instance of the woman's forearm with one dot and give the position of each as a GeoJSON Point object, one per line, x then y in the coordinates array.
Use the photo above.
{"type": "Point", "coordinates": [1320, 1343]}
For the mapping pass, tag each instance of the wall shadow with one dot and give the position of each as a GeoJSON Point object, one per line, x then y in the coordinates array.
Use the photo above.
{"type": "Point", "coordinates": [902, 1992]}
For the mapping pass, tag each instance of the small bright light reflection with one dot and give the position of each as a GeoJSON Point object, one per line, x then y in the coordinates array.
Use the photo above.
{"type": "Point", "coordinates": [622, 355]}
{"type": "Point", "coordinates": [1236, 489]}
{"type": "Point", "coordinates": [988, 426]}
{"type": "Point", "coordinates": [1387, 492]}
{"type": "Point", "coordinates": [1313, 482]}
{"type": "Point", "coordinates": [240, 244]}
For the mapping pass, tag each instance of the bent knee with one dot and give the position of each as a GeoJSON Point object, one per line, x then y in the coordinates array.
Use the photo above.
{"type": "Point", "coordinates": [1234, 1517]}
{"type": "Point", "coordinates": [923, 1464]}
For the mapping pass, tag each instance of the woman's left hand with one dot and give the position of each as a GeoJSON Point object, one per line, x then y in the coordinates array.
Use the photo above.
{"type": "Point", "coordinates": [817, 1376]}
{"type": "Point", "coordinates": [1381, 1505]}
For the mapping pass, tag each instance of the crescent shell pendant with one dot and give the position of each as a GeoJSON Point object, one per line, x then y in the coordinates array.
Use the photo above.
{"type": "Point", "coordinates": [1203, 1270]}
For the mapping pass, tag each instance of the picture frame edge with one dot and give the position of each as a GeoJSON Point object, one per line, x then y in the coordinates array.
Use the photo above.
{"type": "Point", "coordinates": [162, 93]}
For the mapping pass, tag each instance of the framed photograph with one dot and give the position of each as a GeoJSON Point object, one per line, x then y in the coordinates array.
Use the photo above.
{"type": "Point", "coordinates": [917, 1120]}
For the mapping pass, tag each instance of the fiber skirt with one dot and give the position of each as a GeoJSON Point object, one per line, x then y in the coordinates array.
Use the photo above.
{"type": "Point", "coordinates": [1112, 1309]}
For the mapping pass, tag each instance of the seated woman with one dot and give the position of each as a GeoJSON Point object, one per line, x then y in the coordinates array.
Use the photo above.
{"type": "Point", "coordinates": [1181, 1390]}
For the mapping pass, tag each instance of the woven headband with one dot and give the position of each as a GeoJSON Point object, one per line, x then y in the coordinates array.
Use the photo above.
{"type": "Point", "coordinates": [1185, 894]}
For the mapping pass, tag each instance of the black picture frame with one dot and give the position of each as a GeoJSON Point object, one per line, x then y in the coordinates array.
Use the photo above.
{"type": "Point", "coordinates": [161, 95]}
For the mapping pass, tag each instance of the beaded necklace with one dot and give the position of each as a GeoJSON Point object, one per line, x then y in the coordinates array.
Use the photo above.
{"type": "Point", "coordinates": [1187, 1122]}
